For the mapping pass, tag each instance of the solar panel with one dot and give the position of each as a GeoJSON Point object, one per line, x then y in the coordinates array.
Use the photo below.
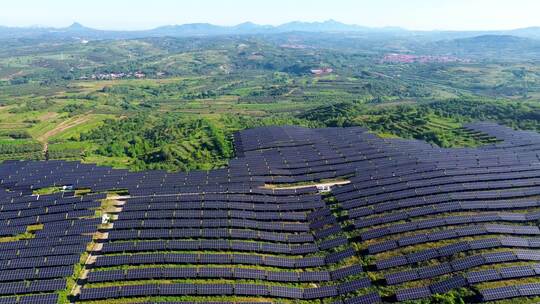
{"type": "Point", "coordinates": [516, 272]}
{"type": "Point", "coordinates": [247, 259]}
{"type": "Point", "coordinates": [483, 276]}
{"type": "Point", "coordinates": [400, 277]}
{"type": "Point", "coordinates": [447, 285]}
{"type": "Point", "coordinates": [527, 290]}
{"type": "Point", "coordinates": [413, 293]}
{"type": "Point", "coordinates": [434, 271]}
{"type": "Point", "coordinates": [215, 273]}
{"type": "Point", "coordinates": [370, 298]}
{"type": "Point", "coordinates": [416, 257]}
{"type": "Point", "coordinates": [505, 292]}
{"type": "Point", "coordinates": [278, 262]}
{"type": "Point", "coordinates": [499, 257]}
{"type": "Point", "coordinates": [285, 292]}
{"type": "Point", "coordinates": [177, 289]}
{"type": "Point", "coordinates": [342, 273]}
{"type": "Point", "coordinates": [468, 262]}
{"type": "Point", "coordinates": [320, 292]}
{"type": "Point", "coordinates": [250, 290]}
{"type": "Point", "coordinates": [214, 289]}
{"type": "Point", "coordinates": [283, 276]}
{"type": "Point", "coordinates": [37, 299]}
{"type": "Point", "coordinates": [351, 286]}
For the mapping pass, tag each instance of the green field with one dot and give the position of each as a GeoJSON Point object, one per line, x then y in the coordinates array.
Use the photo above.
{"type": "Point", "coordinates": [60, 100]}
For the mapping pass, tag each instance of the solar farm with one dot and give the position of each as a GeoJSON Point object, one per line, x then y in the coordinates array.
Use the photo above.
{"type": "Point", "coordinates": [397, 220]}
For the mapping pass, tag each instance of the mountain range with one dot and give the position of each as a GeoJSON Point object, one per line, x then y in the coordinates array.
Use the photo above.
{"type": "Point", "coordinates": [79, 31]}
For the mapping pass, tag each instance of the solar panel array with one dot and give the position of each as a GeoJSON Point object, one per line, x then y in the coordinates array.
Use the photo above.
{"type": "Point", "coordinates": [42, 238]}
{"type": "Point", "coordinates": [421, 219]}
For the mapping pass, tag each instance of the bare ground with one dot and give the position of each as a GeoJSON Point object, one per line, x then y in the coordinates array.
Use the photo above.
{"type": "Point", "coordinates": [63, 126]}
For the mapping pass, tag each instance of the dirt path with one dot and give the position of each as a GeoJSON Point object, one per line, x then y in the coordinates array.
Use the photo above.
{"type": "Point", "coordinates": [318, 185]}
{"type": "Point", "coordinates": [290, 92]}
{"type": "Point", "coordinates": [111, 204]}
{"type": "Point", "coordinates": [65, 125]}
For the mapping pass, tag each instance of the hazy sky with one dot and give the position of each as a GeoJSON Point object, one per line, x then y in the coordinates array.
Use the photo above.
{"type": "Point", "coordinates": [144, 14]}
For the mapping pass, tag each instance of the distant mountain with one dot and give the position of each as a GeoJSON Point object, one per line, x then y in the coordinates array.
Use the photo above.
{"type": "Point", "coordinates": [530, 32]}
{"type": "Point", "coordinates": [76, 30]}
{"type": "Point", "coordinates": [192, 29]}
{"type": "Point", "coordinates": [79, 31]}
{"type": "Point", "coordinates": [76, 26]}
{"type": "Point", "coordinates": [486, 46]}
{"type": "Point", "coordinates": [252, 28]}
{"type": "Point", "coordinates": [326, 26]}
{"type": "Point", "coordinates": [494, 41]}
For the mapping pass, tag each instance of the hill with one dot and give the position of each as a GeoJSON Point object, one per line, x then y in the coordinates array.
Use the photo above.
{"type": "Point", "coordinates": [247, 28]}
{"type": "Point", "coordinates": [489, 46]}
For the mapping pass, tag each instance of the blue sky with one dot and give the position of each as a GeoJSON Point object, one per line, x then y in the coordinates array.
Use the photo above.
{"type": "Point", "coordinates": [144, 14]}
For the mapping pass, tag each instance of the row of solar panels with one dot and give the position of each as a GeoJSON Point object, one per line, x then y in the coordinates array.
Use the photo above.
{"type": "Point", "coordinates": [448, 188]}
{"type": "Point", "coordinates": [16, 288]}
{"type": "Point", "coordinates": [224, 273]}
{"type": "Point", "coordinates": [31, 299]}
{"type": "Point", "coordinates": [298, 197]}
{"type": "Point", "coordinates": [211, 233]}
{"type": "Point", "coordinates": [42, 251]}
{"type": "Point", "coordinates": [454, 248]}
{"type": "Point", "coordinates": [224, 205]}
{"type": "Point", "coordinates": [453, 184]}
{"type": "Point", "coordinates": [23, 213]}
{"type": "Point", "coordinates": [430, 207]}
{"type": "Point", "coordinates": [424, 172]}
{"type": "Point", "coordinates": [404, 177]}
{"type": "Point", "coordinates": [430, 173]}
{"type": "Point", "coordinates": [383, 194]}
{"type": "Point", "coordinates": [470, 278]}
{"type": "Point", "coordinates": [441, 196]}
{"type": "Point", "coordinates": [38, 262]}
{"type": "Point", "coordinates": [507, 134]}
{"type": "Point", "coordinates": [449, 221]}
{"type": "Point", "coordinates": [246, 259]}
{"type": "Point", "coordinates": [222, 290]}
{"type": "Point", "coordinates": [41, 219]}
{"type": "Point", "coordinates": [44, 242]}
{"type": "Point", "coordinates": [137, 187]}
{"type": "Point", "coordinates": [140, 218]}
{"type": "Point", "coordinates": [446, 234]}
{"type": "Point", "coordinates": [39, 201]}
{"type": "Point", "coordinates": [460, 265]}
{"type": "Point", "coordinates": [222, 245]}
{"type": "Point", "coordinates": [288, 165]}
{"type": "Point", "coordinates": [35, 273]}
{"type": "Point", "coordinates": [370, 298]}
{"type": "Point", "coordinates": [508, 292]}
{"type": "Point", "coordinates": [224, 223]}
{"type": "Point", "coordinates": [395, 216]}
{"type": "Point", "coordinates": [163, 213]}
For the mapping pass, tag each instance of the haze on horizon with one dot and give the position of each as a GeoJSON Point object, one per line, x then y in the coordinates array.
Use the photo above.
{"type": "Point", "coordinates": [145, 14]}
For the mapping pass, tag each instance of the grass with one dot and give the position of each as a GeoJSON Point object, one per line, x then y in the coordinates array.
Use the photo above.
{"type": "Point", "coordinates": [94, 121]}
{"type": "Point", "coordinates": [47, 190]}
{"type": "Point", "coordinates": [28, 234]}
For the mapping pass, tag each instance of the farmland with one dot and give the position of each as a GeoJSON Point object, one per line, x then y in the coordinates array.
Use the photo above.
{"type": "Point", "coordinates": [177, 101]}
